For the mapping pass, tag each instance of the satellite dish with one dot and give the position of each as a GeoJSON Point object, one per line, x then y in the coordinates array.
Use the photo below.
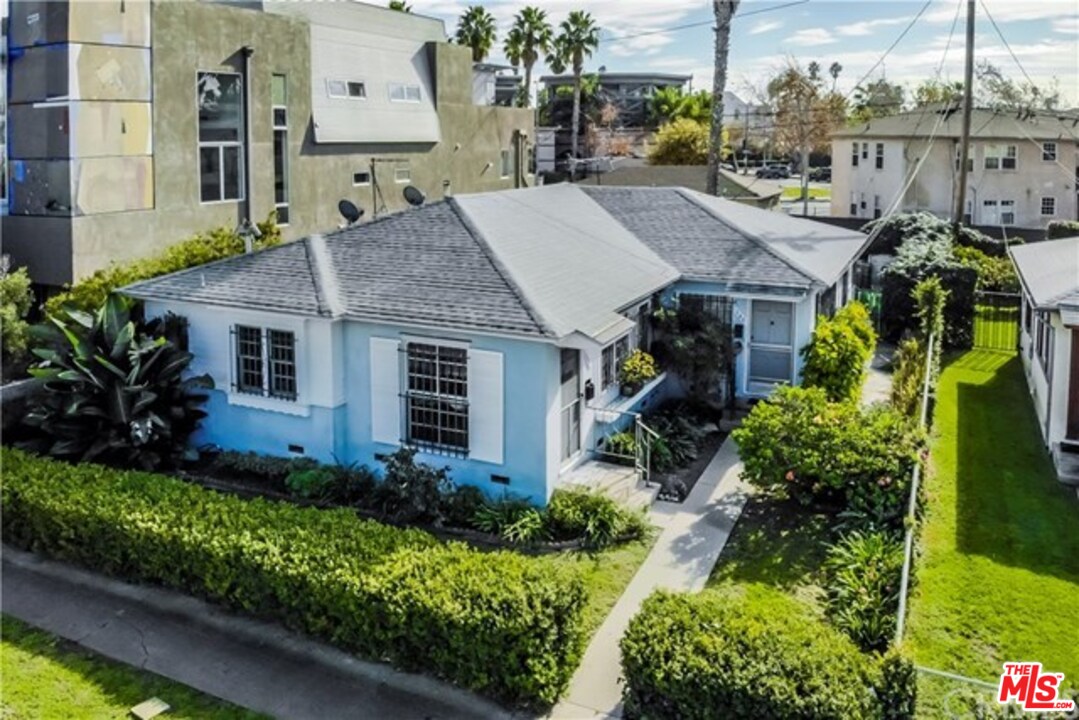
{"type": "Point", "coordinates": [349, 211]}
{"type": "Point", "coordinates": [414, 196]}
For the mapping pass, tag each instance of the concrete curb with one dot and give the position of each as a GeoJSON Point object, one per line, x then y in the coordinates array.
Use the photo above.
{"type": "Point", "coordinates": [270, 635]}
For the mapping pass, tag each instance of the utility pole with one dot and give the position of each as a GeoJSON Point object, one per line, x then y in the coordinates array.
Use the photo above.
{"type": "Point", "coordinates": [964, 148]}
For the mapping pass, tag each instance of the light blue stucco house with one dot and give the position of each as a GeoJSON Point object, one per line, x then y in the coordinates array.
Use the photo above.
{"type": "Point", "coordinates": [485, 330]}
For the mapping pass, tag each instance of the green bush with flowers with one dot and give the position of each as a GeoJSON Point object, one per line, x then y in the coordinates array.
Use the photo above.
{"type": "Point", "coordinates": [636, 370]}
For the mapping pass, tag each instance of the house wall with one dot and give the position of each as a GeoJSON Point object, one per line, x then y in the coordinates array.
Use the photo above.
{"type": "Point", "coordinates": [147, 197]}
{"type": "Point", "coordinates": [1050, 401]}
{"type": "Point", "coordinates": [933, 188]}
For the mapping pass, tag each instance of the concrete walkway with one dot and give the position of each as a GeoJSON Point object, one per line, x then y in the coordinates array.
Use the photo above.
{"type": "Point", "coordinates": [691, 538]}
{"type": "Point", "coordinates": [878, 383]}
{"type": "Point", "coordinates": [252, 664]}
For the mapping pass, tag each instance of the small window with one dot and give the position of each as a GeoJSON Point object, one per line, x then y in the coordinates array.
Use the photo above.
{"type": "Point", "coordinates": [505, 166]}
{"type": "Point", "coordinates": [1001, 157]}
{"type": "Point", "coordinates": [880, 156]}
{"type": "Point", "coordinates": [1049, 151]}
{"type": "Point", "coordinates": [1011, 154]}
{"type": "Point", "coordinates": [1049, 206]}
{"type": "Point", "coordinates": [248, 359]}
{"type": "Point", "coordinates": [876, 206]}
{"type": "Point", "coordinates": [611, 360]}
{"type": "Point", "coordinates": [853, 199]}
{"type": "Point", "coordinates": [400, 92]}
{"type": "Point", "coordinates": [357, 90]}
{"type": "Point", "coordinates": [361, 178]}
{"type": "Point", "coordinates": [862, 201]}
{"type": "Point", "coordinates": [865, 151]}
{"type": "Point", "coordinates": [854, 155]}
{"type": "Point", "coordinates": [337, 88]}
{"type": "Point", "coordinates": [970, 157]}
{"type": "Point", "coordinates": [402, 174]}
{"type": "Point", "coordinates": [1007, 212]}
{"type": "Point", "coordinates": [265, 362]}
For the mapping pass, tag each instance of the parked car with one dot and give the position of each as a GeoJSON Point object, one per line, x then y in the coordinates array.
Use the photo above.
{"type": "Point", "coordinates": [774, 172]}
{"type": "Point", "coordinates": [823, 174]}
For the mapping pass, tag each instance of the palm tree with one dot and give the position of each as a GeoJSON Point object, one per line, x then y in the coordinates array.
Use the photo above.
{"type": "Point", "coordinates": [529, 38]}
{"type": "Point", "coordinates": [724, 12]}
{"type": "Point", "coordinates": [476, 29]}
{"type": "Point", "coordinates": [400, 6]}
{"type": "Point", "coordinates": [577, 39]}
{"type": "Point", "coordinates": [834, 69]}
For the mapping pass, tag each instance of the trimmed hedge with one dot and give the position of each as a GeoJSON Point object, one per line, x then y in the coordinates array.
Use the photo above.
{"type": "Point", "coordinates": [754, 655]}
{"type": "Point", "coordinates": [500, 623]}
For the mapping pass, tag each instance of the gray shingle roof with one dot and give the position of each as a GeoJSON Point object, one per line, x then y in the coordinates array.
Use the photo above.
{"type": "Point", "coordinates": [1050, 271]}
{"type": "Point", "coordinates": [540, 262]}
{"type": "Point", "coordinates": [687, 236]}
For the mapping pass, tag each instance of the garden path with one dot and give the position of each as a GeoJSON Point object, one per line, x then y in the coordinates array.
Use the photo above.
{"type": "Point", "coordinates": [878, 384]}
{"type": "Point", "coordinates": [692, 536]}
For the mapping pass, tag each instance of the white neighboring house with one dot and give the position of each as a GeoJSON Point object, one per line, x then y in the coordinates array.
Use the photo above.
{"type": "Point", "coordinates": [1022, 171]}
{"type": "Point", "coordinates": [1049, 344]}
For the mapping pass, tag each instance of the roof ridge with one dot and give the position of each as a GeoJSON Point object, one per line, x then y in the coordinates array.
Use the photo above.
{"type": "Point", "coordinates": [323, 275]}
{"type": "Point", "coordinates": [689, 195]}
{"type": "Point", "coordinates": [500, 268]}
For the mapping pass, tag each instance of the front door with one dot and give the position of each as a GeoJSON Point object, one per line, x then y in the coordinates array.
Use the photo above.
{"type": "Point", "coordinates": [770, 342]}
{"type": "Point", "coordinates": [570, 395]}
{"type": "Point", "coordinates": [1073, 390]}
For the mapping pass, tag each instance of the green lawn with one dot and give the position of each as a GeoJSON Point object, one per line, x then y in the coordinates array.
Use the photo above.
{"type": "Point", "coordinates": [45, 677]}
{"type": "Point", "coordinates": [607, 574]}
{"type": "Point", "coordinates": [815, 193]}
{"type": "Point", "coordinates": [998, 578]}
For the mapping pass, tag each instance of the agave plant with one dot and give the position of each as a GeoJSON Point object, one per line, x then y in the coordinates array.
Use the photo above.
{"type": "Point", "coordinates": [114, 389]}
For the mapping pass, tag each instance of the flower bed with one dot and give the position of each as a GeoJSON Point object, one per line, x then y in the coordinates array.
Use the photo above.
{"type": "Point", "coordinates": [500, 623]}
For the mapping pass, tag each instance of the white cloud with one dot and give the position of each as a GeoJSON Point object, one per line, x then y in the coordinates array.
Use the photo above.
{"type": "Point", "coordinates": [811, 37]}
{"type": "Point", "coordinates": [868, 27]}
{"type": "Point", "coordinates": [765, 26]}
{"type": "Point", "coordinates": [1006, 11]}
{"type": "Point", "coordinates": [1068, 25]}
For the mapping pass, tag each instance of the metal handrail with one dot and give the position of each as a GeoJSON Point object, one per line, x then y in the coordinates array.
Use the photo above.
{"type": "Point", "coordinates": [912, 504]}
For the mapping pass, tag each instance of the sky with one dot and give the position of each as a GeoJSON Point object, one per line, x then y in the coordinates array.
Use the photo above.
{"type": "Point", "coordinates": [1043, 34]}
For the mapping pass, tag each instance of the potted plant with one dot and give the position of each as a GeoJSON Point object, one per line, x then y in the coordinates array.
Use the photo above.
{"type": "Point", "coordinates": [637, 369]}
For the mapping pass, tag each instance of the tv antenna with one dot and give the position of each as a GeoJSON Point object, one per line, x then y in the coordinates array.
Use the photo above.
{"type": "Point", "coordinates": [378, 202]}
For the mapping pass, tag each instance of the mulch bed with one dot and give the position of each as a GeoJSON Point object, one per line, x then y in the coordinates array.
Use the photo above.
{"type": "Point", "coordinates": [690, 474]}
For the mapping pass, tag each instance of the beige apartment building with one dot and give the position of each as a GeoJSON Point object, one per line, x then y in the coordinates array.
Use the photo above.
{"type": "Point", "coordinates": [135, 123]}
{"type": "Point", "coordinates": [1022, 167]}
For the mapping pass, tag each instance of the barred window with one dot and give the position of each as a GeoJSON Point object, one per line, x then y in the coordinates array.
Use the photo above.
{"type": "Point", "coordinates": [436, 400]}
{"type": "Point", "coordinates": [607, 370]}
{"type": "Point", "coordinates": [265, 362]}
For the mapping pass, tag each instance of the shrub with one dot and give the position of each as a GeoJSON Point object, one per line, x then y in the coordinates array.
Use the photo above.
{"type": "Point", "coordinates": [930, 303]}
{"type": "Point", "coordinates": [855, 315]}
{"type": "Point", "coordinates": [758, 655]}
{"type": "Point", "coordinates": [637, 369]}
{"type": "Point", "coordinates": [1061, 229]}
{"type": "Point", "coordinates": [863, 571]}
{"type": "Point", "coordinates": [513, 519]}
{"type": "Point", "coordinates": [113, 389]}
{"type": "Point", "coordinates": [798, 444]}
{"type": "Point", "coordinates": [680, 437]}
{"type": "Point", "coordinates": [907, 378]}
{"type": "Point", "coordinates": [15, 302]}
{"type": "Point", "coordinates": [623, 444]}
{"type": "Point", "coordinates": [680, 142]}
{"type": "Point", "coordinates": [579, 513]}
{"type": "Point", "coordinates": [898, 689]}
{"type": "Point", "coordinates": [496, 622]}
{"type": "Point", "coordinates": [339, 484]}
{"type": "Point", "coordinates": [460, 505]}
{"type": "Point", "coordinates": [217, 244]}
{"type": "Point", "coordinates": [835, 360]}
{"type": "Point", "coordinates": [313, 484]}
{"type": "Point", "coordinates": [411, 491]}
{"type": "Point", "coordinates": [995, 274]}
{"type": "Point", "coordinates": [697, 347]}
{"type": "Point", "coordinates": [273, 470]}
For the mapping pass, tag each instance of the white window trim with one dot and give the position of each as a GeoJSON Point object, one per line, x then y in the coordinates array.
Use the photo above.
{"type": "Point", "coordinates": [219, 144]}
{"type": "Point", "coordinates": [346, 96]}
{"type": "Point", "coordinates": [1041, 208]}
{"type": "Point", "coordinates": [405, 87]}
{"type": "Point", "coordinates": [275, 128]}
{"type": "Point", "coordinates": [398, 179]}
{"type": "Point", "coordinates": [365, 183]}
{"type": "Point", "coordinates": [437, 450]}
{"type": "Point", "coordinates": [1055, 152]}
{"type": "Point", "coordinates": [299, 406]}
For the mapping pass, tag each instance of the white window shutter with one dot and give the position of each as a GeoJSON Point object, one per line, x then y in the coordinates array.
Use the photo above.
{"type": "Point", "coordinates": [385, 391]}
{"type": "Point", "coordinates": [485, 406]}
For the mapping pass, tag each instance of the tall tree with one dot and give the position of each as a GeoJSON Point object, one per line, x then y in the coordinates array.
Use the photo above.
{"type": "Point", "coordinates": [805, 115]}
{"type": "Point", "coordinates": [724, 12]}
{"type": "Point", "coordinates": [577, 39]}
{"type": "Point", "coordinates": [933, 91]}
{"type": "Point", "coordinates": [476, 29]}
{"type": "Point", "coordinates": [529, 39]}
{"type": "Point", "coordinates": [834, 70]}
{"type": "Point", "coordinates": [879, 98]}
{"type": "Point", "coordinates": [996, 90]}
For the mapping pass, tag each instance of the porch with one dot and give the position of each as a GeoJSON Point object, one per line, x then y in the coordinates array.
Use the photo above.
{"type": "Point", "coordinates": [618, 482]}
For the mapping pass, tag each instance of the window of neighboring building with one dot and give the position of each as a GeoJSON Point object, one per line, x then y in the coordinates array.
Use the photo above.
{"type": "Point", "coordinates": [959, 156]}
{"type": "Point", "coordinates": [611, 360]}
{"type": "Point", "coordinates": [880, 156]}
{"type": "Point", "coordinates": [853, 204]}
{"type": "Point", "coordinates": [347, 89]}
{"type": "Point", "coordinates": [337, 88]}
{"type": "Point", "coordinates": [400, 92]}
{"type": "Point", "coordinates": [357, 90]}
{"type": "Point", "coordinates": [505, 164]}
{"type": "Point", "coordinates": [1049, 151]}
{"type": "Point", "coordinates": [1007, 212]}
{"type": "Point", "coordinates": [1049, 206]}
{"type": "Point", "coordinates": [279, 111]}
{"type": "Point", "coordinates": [1001, 157]}
{"type": "Point", "coordinates": [861, 201]}
{"type": "Point", "coordinates": [854, 155]}
{"type": "Point", "coordinates": [865, 151]}
{"type": "Point", "coordinates": [402, 174]}
{"type": "Point", "coordinates": [436, 399]}
{"type": "Point", "coordinates": [265, 362]}
{"type": "Point", "coordinates": [219, 98]}
{"type": "Point", "coordinates": [361, 178]}
{"type": "Point", "coordinates": [876, 206]}
{"type": "Point", "coordinates": [990, 214]}
{"type": "Point", "coordinates": [1043, 340]}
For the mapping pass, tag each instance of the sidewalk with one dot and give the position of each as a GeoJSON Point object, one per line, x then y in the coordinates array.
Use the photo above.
{"type": "Point", "coordinates": [253, 664]}
{"type": "Point", "coordinates": [691, 538]}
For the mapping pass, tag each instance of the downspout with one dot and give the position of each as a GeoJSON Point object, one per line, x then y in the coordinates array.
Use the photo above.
{"type": "Point", "coordinates": [247, 52]}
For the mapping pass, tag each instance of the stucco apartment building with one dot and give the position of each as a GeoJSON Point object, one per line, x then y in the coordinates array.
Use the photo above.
{"type": "Point", "coordinates": [136, 123]}
{"type": "Point", "coordinates": [1022, 166]}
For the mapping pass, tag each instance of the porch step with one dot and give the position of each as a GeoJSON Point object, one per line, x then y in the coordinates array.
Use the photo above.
{"type": "Point", "coordinates": [618, 482]}
{"type": "Point", "coordinates": [1067, 465]}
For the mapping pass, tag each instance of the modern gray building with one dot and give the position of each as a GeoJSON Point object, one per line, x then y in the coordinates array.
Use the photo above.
{"type": "Point", "coordinates": [133, 124]}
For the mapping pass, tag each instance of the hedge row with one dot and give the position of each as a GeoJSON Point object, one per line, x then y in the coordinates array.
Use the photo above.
{"type": "Point", "coordinates": [507, 625]}
{"type": "Point", "coordinates": [758, 654]}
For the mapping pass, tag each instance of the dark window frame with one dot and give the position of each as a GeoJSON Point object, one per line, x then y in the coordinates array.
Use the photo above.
{"type": "Point", "coordinates": [265, 362]}
{"type": "Point", "coordinates": [436, 400]}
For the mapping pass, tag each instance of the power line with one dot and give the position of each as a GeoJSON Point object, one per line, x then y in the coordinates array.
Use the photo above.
{"type": "Point", "coordinates": [891, 47]}
{"type": "Point", "coordinates": [703, 23]}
